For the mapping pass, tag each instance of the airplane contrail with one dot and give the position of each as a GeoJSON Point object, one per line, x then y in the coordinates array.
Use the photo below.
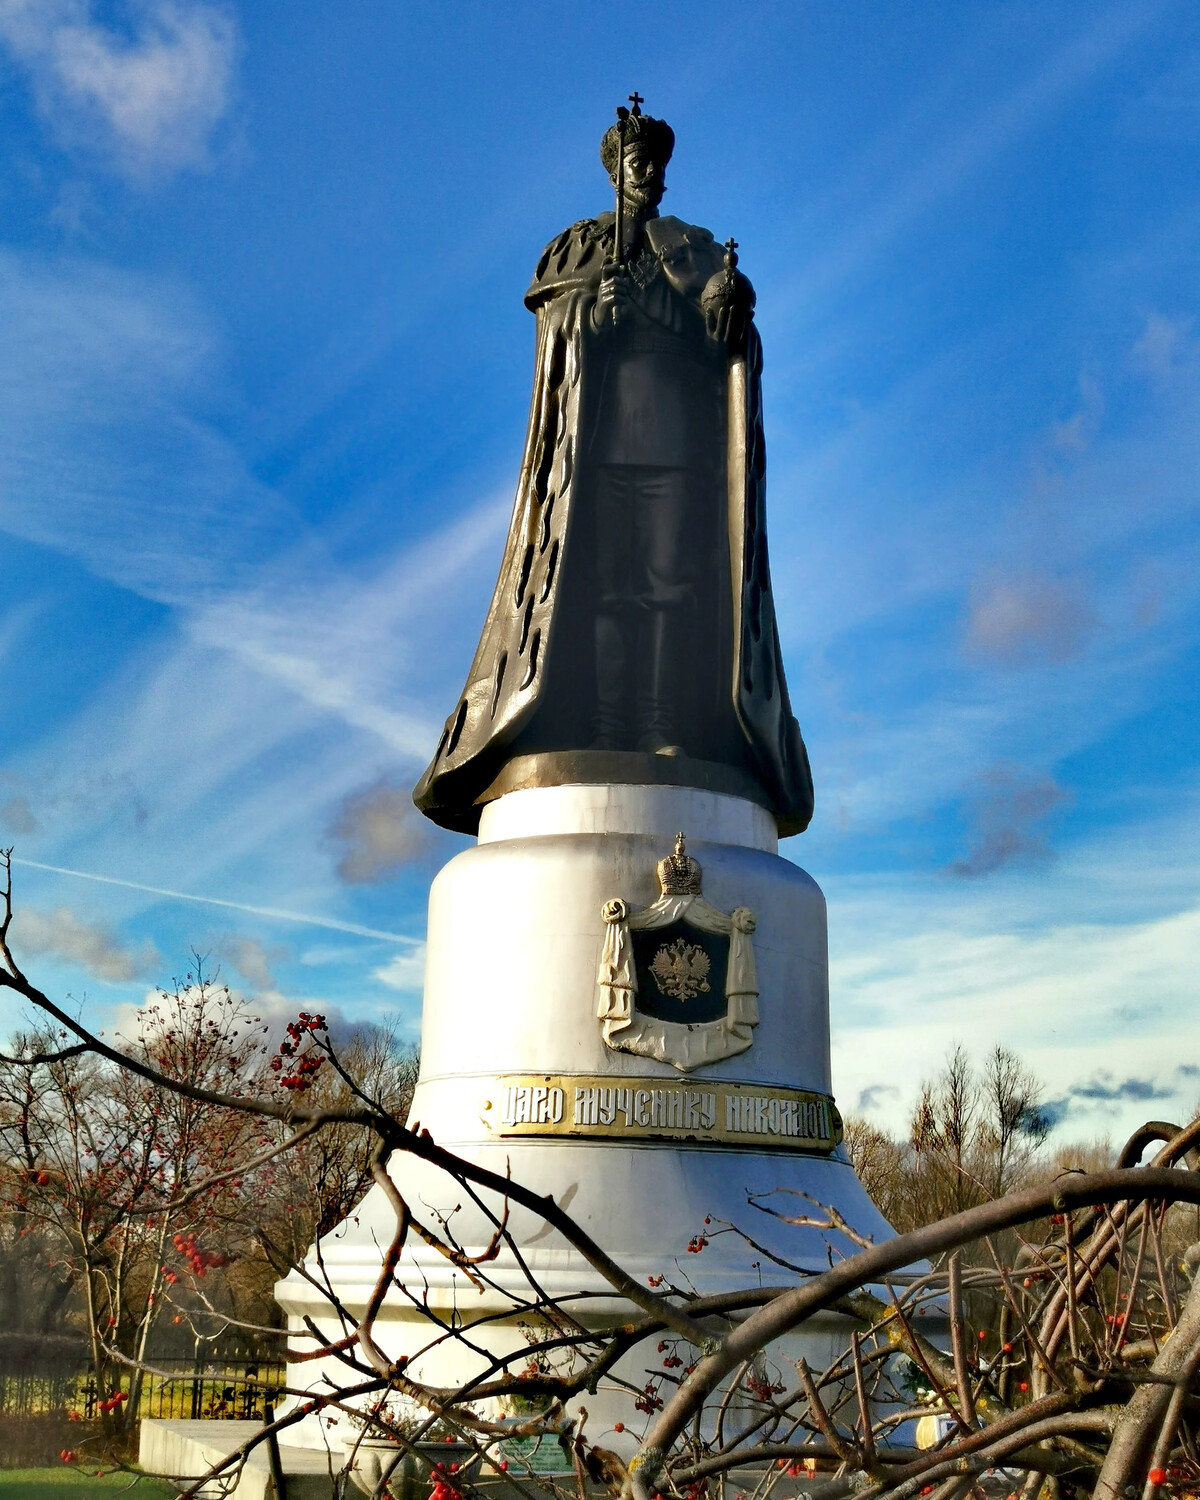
{"type": "Point", "coordinates": [259, 911]}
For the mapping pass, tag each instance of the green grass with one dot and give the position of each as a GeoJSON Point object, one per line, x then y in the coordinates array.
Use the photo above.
{"type": "Point", "coordinates": [62, 1483]}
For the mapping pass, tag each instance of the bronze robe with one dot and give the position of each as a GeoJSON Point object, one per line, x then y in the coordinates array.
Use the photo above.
{"type": "Point", "coordinates": [505, 695]}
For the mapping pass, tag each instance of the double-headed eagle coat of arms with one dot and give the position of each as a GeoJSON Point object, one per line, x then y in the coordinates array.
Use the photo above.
{"type": "Point", "coordinates": [678, 1025]}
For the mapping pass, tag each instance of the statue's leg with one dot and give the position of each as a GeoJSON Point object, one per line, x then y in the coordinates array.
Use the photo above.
{"type": "Point", "coordinates": [669, 591]}
{"type": "Point", "coordinates": [610, 727]}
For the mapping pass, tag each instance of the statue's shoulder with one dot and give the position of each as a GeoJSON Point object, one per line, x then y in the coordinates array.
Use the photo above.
{"type": "Point", "coordinates": [573, 258]}
{"type": "Point", "coordinates": [689, 253]}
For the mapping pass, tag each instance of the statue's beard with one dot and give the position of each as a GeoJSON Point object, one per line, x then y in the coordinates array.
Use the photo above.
{"type": "Point", "coordinates": [638, 200]}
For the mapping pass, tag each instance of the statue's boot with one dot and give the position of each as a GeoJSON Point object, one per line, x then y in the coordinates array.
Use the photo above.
{"type": "Point", "coordinates": [658, 683]}
{"type": "Point", "coordinates": [609, 729]}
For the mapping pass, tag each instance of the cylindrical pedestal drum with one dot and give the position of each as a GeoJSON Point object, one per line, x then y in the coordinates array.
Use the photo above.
{"type": "Point", "coordinates": [638, 1028]}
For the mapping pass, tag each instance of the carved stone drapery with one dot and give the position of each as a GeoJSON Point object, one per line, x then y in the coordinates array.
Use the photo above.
{"type": "Point", "coordinates": [684, 1047]}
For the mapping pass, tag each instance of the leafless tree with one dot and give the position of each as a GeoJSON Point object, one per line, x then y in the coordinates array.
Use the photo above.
{"type": "Point", "coordinates": [975, 1134]}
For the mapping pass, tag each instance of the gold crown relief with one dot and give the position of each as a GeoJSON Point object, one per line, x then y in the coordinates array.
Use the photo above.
{"type": "Point", "coordinates": [679, 873]}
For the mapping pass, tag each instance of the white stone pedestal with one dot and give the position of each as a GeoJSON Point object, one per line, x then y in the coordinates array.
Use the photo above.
{"type": "Point", "coordinates": [515, 939]}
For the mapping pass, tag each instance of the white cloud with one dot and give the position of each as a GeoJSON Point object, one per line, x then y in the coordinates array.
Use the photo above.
{"type": "Point", "coordinates": [1088, 972]}
{"type": "Point", "coordinates": [148, 96]}
{"type": "Point", "coordinates": [404, 971]}
{"type": "Point", "coordinates": [61, 935]}
{"type": "Point", "coordinates": [1071, 1000]}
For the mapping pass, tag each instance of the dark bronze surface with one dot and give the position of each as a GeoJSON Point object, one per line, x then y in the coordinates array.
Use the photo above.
{"type": "Point", "coordinates": [633, 614]}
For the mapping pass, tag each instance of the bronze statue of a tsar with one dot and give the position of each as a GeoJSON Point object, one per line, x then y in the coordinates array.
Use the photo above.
{"type": "Point", "coordinates": [632, 633]}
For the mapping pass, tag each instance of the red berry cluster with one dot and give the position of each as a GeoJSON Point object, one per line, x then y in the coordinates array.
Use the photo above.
{"type": "Point", "coordinates": [697, 1243]}
{"type": "Point", "coordinates": [763, 1389]}
{"type": "Point", "coordinates": [113, 1401]}
{"type": "Point", "coordinates": [648, 1401]}
{"type": "Point", "coordinates": [199, 1260]}
{"type": "Point", "coordinates": [68, 1455]}
{"type": "Point", "coordinates": [443, 1489]}
{"type": "Point", "coordinates": [304, 1068]}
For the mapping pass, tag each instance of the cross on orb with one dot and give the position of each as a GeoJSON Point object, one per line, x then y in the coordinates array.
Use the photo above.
{"type": "Point", "coordinates": [637, 101]}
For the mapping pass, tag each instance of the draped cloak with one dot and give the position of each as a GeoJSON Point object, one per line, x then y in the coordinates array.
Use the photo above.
{"type": "Point", "coordinates": [544, 555]}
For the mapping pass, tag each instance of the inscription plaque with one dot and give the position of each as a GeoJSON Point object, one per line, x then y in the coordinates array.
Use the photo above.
{"type": "Point", "coordinates": [599, 1107]}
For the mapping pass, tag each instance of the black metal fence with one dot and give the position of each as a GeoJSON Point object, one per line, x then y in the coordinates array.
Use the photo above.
{"type": "Point", "coordinates": [234, 1388]}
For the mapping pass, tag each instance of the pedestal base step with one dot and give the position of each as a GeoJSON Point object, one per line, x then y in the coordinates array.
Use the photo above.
{"type": "Point", "coordinates": [185, 1450]}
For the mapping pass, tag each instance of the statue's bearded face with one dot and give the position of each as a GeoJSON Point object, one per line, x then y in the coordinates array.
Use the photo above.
{"type": "Point", "coordinates": [644, 179]}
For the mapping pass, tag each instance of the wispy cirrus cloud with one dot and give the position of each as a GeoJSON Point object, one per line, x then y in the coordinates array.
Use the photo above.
{"type": "Point", "coordinates": [146, 96]}
{"type": "Point", "coordinates": [103, 458]}
{"type": "Point", "coordinates": [906, 177]}
{"type": "Point", "coordinates": [275, 914]}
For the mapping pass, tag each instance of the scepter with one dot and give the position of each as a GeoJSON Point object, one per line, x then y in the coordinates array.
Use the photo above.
{"type": "Point", "coordinates": [619, 233]}
{"type": "Point", "coordinates": [623, 115]}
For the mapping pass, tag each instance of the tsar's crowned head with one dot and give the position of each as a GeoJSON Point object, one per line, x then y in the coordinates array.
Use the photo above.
{"type": "Point", "coordinates": [644, 154]}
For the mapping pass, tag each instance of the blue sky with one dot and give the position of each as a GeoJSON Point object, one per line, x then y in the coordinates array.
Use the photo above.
{"type": "Point", "coordinates": [264, 369]}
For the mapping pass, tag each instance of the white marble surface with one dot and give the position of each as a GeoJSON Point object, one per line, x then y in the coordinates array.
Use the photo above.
{"type": "Point", "coordinates": [514, 942]}
{"type": "Point", "coordinates": [655, 811]}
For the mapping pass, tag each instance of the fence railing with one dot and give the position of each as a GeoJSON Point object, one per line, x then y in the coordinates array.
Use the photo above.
{"type": "Point", "coordinates": [234, 1388]}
